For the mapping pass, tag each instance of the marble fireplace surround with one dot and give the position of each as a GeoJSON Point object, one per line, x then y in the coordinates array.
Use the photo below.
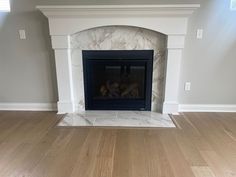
{"type": "Point", "coordinates": [65, 21]}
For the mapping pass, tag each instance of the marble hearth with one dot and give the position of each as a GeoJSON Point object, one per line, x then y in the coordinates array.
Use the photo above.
{"type": "Point", "coordinates": [142, 119]}
{"type": "Point", "coordinates": [161, 28]}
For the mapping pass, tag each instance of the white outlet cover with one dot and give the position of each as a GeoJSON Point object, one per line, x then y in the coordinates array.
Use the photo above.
{"type": "Point", "coordinates": [187, 86]}
{"type": "Point", "coordinates": [22, 34]}
{"type": "Point", "coordinates": [199, 33]}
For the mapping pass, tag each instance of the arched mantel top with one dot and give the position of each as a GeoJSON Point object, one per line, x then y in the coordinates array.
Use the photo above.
{"type": "Point", "coordinates": [166, 19]}
{"type": "Point", "coordinates": [168, 26]}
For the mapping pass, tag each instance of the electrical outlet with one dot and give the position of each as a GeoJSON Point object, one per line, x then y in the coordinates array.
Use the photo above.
{"type": "Point", "coordinates": [187, 86]}
{"type": "Point", "coordinates": [22, 34]}
{"type": "Point", "coordinates": [199, 33]}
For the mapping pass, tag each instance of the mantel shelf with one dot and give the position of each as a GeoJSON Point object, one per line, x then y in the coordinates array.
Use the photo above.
{"type": "Point", "coordinates": [118, 10]}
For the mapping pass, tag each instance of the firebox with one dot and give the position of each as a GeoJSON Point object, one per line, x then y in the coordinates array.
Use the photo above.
{"type": "Point", "coordinates": [118, 79]}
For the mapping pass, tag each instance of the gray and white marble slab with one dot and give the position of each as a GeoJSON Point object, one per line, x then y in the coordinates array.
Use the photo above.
{"type": "Point", "coordinates": [117, 119]}
{"type": "Point", "coordinates": [120, 38]}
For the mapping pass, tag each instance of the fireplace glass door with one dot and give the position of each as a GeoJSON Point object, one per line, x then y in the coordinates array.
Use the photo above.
{"type": "Point", "coordinates": [118, 80]}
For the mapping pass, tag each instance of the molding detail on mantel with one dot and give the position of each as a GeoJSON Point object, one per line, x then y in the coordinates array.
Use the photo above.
{"type": "Point", "coordinates": [118, 10]}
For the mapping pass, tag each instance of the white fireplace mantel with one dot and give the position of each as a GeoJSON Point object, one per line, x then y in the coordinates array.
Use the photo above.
{"type": "Point", "coordinates": [170, 20]}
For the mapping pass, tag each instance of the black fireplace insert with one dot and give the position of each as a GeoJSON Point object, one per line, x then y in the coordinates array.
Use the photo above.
{"type": "Point", "coordinates": [118, 79]}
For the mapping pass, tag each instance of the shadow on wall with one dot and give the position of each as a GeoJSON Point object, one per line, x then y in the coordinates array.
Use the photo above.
{"type": "Point", "coordinates": [209, 63]}
{"type": "Point", "coordinates": [220, 26]}
{"type": "Point", "coordinates": [28, 64]}
{"type": "Point", "coordinates": [3, 16]}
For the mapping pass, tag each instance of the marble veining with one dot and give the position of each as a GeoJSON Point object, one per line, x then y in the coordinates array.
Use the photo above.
{"type": "Point", "coordinates": [117, 119]}
{"type": "Point", "coordinates": [120, 38]}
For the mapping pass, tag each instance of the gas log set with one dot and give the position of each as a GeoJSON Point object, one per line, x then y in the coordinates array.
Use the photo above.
{"type": "Point", "coordinates": [113, 89]}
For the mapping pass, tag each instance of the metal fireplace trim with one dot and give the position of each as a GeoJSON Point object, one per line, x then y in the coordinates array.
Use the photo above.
{"type": "Point", "coordinates": [118, 55]}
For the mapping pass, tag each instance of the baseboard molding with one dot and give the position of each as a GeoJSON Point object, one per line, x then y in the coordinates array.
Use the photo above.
{"type": "Point", "coordinates": [207, 108]}
{"type": "Point", "coordinates": [53, 107]}
{"type": "Point", "coordinates": [28, 106]}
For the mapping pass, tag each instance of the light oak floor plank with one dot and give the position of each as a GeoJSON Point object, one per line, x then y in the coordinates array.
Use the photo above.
{"type": "Point", "coordinates": [202, 145]}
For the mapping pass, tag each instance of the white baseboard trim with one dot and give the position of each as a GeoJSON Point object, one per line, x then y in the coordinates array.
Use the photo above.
{"type": "Point", "coordinates": [207, 108]}
{"type": "Point", "coordinates": [182, 107]}
{"type": "Point", "coordinates": [28, 106]}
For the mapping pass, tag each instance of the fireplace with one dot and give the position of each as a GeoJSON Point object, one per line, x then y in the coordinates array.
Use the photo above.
{"type": "Point", "coordinates": [118, 79]}
{"type": "Point", "coordinates": [65, 21]}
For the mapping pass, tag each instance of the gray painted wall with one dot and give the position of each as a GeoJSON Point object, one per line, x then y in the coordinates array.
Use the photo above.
{"type": "Point", "coordinates": [27, 72]}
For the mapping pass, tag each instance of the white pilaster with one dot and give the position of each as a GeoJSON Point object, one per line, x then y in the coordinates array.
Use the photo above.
{"type": "Point", "coordinates": [175, 46]}
{"type": "Point", "coordinates": [61, 46]}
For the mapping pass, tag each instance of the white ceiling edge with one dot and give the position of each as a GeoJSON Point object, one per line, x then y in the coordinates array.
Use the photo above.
{"type": "Point", "coordinates": [118, 10]}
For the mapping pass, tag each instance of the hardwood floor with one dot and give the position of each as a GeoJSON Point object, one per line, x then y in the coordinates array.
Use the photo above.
{"type": "Point", "coordinates": [203, 145]}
